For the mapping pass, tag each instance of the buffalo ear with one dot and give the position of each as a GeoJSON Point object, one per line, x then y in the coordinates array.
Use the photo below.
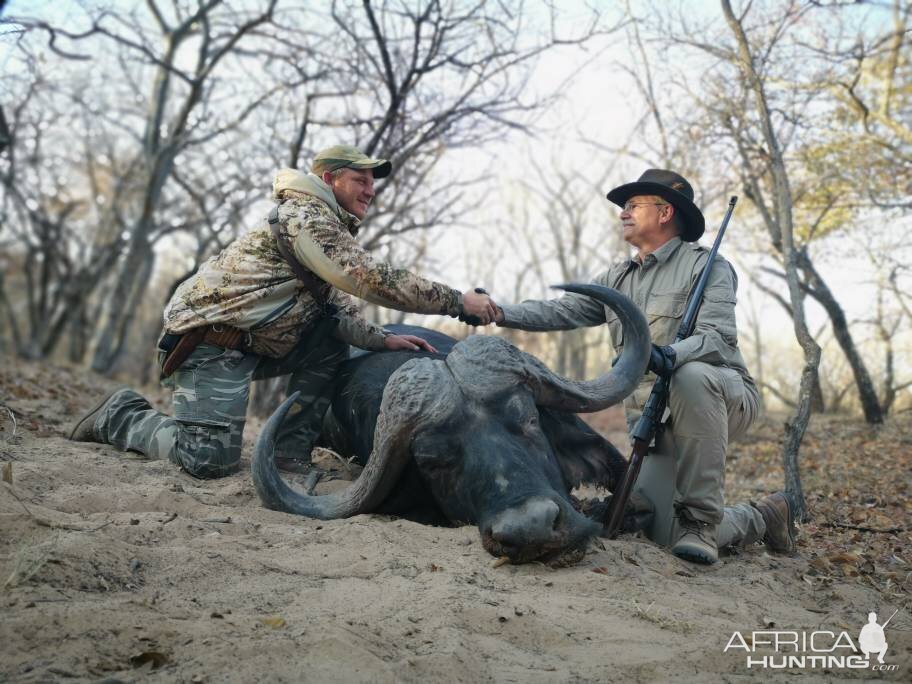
{"type": "Point", "coordinates": [585, 457]}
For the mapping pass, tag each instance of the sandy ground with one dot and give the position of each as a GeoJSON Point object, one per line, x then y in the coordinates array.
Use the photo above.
{"type": "Point", "coordinates": [114, 568]}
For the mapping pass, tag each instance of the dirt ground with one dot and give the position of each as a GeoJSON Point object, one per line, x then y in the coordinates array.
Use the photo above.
{"type": "Point", "coordinates": [114, 568]}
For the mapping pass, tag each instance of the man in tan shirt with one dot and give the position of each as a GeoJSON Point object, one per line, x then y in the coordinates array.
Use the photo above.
{"type": "Point", "coordinates": [252, 312]}
{"type": "Point", "coordinates": [712, 398]}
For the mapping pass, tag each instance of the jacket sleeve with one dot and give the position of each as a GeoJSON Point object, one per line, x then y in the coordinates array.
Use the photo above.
{"type": "Point", "coordinates": [567, 312]}
{"type": "Point", "coordinates": [353, 328]}
{"type": "Point", "coordinates": [324, 246]}
{"type": "Point", "coordinates": [715, 335]}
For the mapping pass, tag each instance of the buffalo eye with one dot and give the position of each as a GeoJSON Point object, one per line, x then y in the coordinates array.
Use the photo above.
{"type": "Point", "coordinates": [519, 414]}
{"type": "Point", "coordinates": [529, 426]}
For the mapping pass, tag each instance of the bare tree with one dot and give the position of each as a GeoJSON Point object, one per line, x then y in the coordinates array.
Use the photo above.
{"type": "Point", "coordinates": [860, 160]}
{"type": "Point", "coordinates": [55, 253]}
{"type": "Point", "coordinates": [169, 129]}
{"type": "Point", "coordinates": [559, 228]}
{"type": "Point", "coordinates": [442, 77]}
{"type": "Point", "coordinates": [144, 131]}
{"type": "Point", "coordinates": [4, 132]}
{"type": "Point", "coordinates": [891, 317]}
{"type": "Point", "coordinates": [869, 145]}
{"type": "Point", "coordinates": [175, 97]}
{"type": "Point", "coordinates": [571, 232]}
{"type": "Point", "coordinates": [737, 108]}
{"type": "Point", "coordinates": [778, 217]}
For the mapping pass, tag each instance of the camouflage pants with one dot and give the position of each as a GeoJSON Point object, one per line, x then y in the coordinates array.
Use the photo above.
{"type": "Point", "coordinates": [210, 393]}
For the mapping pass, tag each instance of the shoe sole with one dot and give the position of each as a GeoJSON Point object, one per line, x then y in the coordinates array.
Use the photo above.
{"type": "Point", "coordinates": [694, 556]}
{"type": "Point", "coordinates": [92, 413]}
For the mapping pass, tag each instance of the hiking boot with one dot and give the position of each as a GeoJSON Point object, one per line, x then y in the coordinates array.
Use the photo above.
{"type": "Point", "coordinates": [84, 429]}
{"type": "Point", "coordinates": [778, 513]}
{"type": "Point", "coordinates": [696, 541]}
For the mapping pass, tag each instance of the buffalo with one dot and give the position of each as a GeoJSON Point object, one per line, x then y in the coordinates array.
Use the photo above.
{"type": "Point", "coordinates": [480, 433]}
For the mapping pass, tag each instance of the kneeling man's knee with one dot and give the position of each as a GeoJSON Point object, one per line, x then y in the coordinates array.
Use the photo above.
{"type": "Point", "coordinates": [205, 449]}
{"type": "Point", "coordinates": [694, 377]}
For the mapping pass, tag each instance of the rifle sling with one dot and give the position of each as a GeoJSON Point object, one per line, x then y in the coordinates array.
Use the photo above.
{"type": "Point", "coordinates": [318, 289]}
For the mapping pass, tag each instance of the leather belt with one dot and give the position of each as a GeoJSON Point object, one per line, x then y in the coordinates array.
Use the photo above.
{"type": "Point", "coordinates": [227, 336]}
{"type": "Point", "coordinates": [178, 348]}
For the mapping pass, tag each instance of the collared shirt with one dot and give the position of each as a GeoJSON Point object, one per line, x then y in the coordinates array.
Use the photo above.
{"type": "Point", "coordinates": [659, 286]}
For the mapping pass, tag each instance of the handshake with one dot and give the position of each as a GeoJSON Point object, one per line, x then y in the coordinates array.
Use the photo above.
{"type": "Point", "coordinates": [479, 309]}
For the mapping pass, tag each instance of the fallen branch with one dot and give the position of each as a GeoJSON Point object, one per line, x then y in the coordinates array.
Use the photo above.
{"type": "Point", "coordinates": [55, 525]}
{"type": "Point", "coordinates": [21, 502]}
{"type": "Point", "coordinates": [862, 528]}
{"type": "Point", "coordinates": [68, 526]}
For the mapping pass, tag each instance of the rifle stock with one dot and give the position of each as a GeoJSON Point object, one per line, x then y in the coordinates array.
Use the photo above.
{"type": "Point", "coordinates": [651, 418]}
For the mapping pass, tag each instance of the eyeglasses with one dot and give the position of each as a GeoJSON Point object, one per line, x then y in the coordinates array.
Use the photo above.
{"type": "Point", "coordinates": [630, 206]}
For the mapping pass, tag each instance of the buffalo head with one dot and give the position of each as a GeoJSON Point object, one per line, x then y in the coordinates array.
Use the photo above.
{"type": "Point", "coordinates": [493, 435]}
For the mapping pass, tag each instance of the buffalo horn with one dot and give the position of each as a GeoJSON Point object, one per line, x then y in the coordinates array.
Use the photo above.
{"type": "Point", "coordinates": [553, 391]}
{"type": "Point", "coordinates": [403, 405]}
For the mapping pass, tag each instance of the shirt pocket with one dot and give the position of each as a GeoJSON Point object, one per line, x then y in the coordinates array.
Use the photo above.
{"type": "Point", "coordinates": [664, 312]}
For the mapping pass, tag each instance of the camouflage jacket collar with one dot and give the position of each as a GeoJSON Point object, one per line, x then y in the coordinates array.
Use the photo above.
{"type": "Point", "coordinates": [290, 183]}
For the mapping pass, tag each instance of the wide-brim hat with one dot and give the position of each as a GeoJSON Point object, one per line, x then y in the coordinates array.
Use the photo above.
{"type": "Point", "coordinates": [673, 188]}
{"type": "Point", "coordinates": [346, 156]}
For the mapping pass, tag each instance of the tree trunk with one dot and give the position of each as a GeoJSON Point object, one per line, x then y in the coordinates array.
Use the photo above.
{"type": "Point", "coordinates": [819, 290]}
{"type": "Point", "coordinates": [780, 225]}
{"type": "Point", "coordinates": [818, 405]}
{"type": "Point", "coordinates": [130, 308]}
{"type": "Point", "coordinates": [124, 292]}
{"type": "Point", "coordinates": [797, 426]}
{"type": "Point", "coordinates": [79, 335]}
{"type": "Point", "coordinates": [15, 340]}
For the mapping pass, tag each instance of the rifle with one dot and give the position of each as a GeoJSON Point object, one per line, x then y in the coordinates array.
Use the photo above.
{"type": "Point", "coordinates": [651, 419]}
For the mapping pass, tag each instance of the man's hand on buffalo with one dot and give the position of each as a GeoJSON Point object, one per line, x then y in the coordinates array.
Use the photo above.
{"type": "Point", "coordinates": [407, 342]}
{"type": "Point", "coordinates": [477, 307]}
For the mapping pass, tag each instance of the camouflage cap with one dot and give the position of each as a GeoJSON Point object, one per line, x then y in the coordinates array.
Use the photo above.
{"type": "Point", "coordinates": [346, 156]}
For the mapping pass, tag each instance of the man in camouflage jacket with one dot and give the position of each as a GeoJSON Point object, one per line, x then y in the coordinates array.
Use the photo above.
{"type": "Point", "coordinates": [262, 321]}
{"type": "Point", "coordinates": [712, 398]}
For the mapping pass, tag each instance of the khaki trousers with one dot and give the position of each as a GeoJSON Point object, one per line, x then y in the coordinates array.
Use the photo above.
{"type": "Point", "coordinates": [709, 406]}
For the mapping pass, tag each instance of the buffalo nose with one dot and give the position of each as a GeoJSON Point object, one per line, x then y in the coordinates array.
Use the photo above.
{"type": "Point", "coordinates": [533, 521]}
